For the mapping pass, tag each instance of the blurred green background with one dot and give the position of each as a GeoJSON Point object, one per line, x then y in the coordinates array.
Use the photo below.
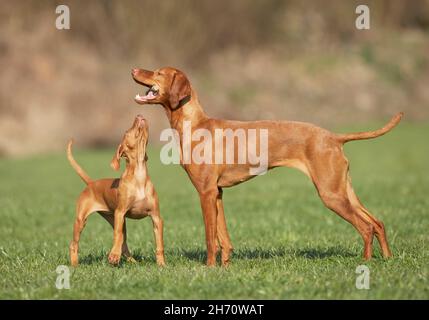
{"type": "Point", "coordinates": [300, 60]}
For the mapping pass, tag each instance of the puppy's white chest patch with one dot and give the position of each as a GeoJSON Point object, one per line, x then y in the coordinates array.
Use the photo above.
{"type": "Point", "coordinates": [140, 176]}
{"type": "Point", "coordinates": [140, 194]}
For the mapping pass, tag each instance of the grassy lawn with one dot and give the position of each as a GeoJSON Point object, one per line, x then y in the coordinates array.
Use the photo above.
{"type": "Point", "coordinates": [287, 244]}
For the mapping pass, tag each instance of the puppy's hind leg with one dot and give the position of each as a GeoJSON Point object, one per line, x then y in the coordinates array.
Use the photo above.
{"type": "Point", "coordinates": [83, 209]}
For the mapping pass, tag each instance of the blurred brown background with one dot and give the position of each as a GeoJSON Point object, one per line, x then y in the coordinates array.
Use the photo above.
{"type": "Point", "coordinates": [300, 60]}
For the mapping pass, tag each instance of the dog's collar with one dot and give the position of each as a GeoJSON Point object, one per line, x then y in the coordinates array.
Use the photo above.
{"type": "Point", "coordinates": [184, 101]}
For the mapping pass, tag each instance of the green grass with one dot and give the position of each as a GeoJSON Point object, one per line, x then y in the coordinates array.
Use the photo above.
{"type": "Point", "coordinates": [287, 245]}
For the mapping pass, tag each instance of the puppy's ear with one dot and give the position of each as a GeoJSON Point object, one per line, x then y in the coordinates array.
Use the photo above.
{"type": "Point", "coordinates": [115, 163]}
{"type": "Point", "coordinates": [180, 88]}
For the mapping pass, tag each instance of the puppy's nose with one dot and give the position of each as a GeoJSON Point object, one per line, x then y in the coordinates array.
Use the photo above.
{"type": "Point", "coordinates": [134, 71]}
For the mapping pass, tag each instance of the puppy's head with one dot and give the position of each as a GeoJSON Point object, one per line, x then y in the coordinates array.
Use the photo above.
{"type": "Point", "coordinates": [133, 144]}
{"type": "Point", "coordinates": [166, 86]}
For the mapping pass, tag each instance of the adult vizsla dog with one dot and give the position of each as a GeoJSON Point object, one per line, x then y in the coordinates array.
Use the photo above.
{"type": "Point", "coordinates": [313, 150]}
{"type": "Point", "coordinates": [132, 196]}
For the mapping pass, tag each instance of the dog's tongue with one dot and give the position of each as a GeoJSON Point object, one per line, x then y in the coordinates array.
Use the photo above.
{"type": "Point", "coordinates": [148, 96]}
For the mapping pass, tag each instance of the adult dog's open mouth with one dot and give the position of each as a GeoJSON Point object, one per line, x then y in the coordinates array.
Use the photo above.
{"type": "Point", "coordinates": [151, 94]}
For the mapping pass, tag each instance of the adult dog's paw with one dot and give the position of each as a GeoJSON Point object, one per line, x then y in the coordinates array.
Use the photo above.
{"type": "Point", "coordinates": [160, 262]}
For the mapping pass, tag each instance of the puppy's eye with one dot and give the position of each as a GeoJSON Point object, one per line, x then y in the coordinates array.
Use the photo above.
{"type": "Point", "coordinates": [129, 146]}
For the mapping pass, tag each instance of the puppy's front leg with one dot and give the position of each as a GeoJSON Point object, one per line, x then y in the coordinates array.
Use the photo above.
{"type": "Point", "coordinates": [118, 236]}
{"type": "Point", "coordinates": [158, 226]}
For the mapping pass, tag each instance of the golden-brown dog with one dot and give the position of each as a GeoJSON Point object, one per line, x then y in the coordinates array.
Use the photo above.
{"type": "Point", "coordinates": [132, 196]}
{"type": "Point", "coordinates": [313, 150]}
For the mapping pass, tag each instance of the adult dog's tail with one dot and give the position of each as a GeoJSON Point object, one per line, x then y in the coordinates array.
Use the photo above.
{"type": "Point", "coordinates": [82, 174]}
{"type": "Point", "coordinates": [371, 134]}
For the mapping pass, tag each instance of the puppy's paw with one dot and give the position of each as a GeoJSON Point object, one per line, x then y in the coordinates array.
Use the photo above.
{"type": "Point", "coordinates": [114, 258]}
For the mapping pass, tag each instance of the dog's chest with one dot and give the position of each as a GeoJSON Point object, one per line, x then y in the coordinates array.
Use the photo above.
{"type": "Point", "coordinates": [140, 185]}
{"type": "Point", "coordinates": [139, 209]}
{"type": "Point", "coordinates": [140, 194]}
{"type": "Point", "coordinates": [140, 206]}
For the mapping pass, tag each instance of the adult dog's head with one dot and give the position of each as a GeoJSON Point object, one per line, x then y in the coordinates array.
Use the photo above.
{"type": "Point", "coordinates": [166, 86]}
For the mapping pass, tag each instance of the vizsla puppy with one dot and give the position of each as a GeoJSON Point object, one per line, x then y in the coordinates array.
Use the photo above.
{"type": "Point", "coordinates": [315, 151]}
{"type": "Point", "coordinates": [132, 196]}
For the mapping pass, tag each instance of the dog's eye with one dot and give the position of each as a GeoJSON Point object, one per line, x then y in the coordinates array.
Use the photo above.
{"type": "Point", "coordinates": [129, 146]}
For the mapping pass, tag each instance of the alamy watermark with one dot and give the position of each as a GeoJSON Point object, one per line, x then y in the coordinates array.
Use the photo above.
{"type": "Point", "coordinates": [362, 280]}
{"type": "Point", "coordinates": [227, 146]}
{"type": "Point", "coordinates": [362, 22]}
{"type": "Point", "coordinates": [63, 20]}
{"type": "Point", "coordinates": [63, 278]}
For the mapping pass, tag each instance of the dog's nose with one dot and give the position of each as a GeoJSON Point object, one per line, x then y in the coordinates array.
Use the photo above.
{"type": "Point", "coordinates": [134, 71]}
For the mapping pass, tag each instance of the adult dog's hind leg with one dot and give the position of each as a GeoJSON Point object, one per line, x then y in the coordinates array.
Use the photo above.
{"type": "Point", "coordinates": [379, 229]}
{"type": "Point", "coordinates": [330, 178]}
{"type": "Point", "coordinates": [339, 203]}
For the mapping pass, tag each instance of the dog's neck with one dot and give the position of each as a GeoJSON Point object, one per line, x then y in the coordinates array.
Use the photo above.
{"type": "Point", "coordinates": [136, 170]}
{"type": "Point", "coordinates": [189, 110]}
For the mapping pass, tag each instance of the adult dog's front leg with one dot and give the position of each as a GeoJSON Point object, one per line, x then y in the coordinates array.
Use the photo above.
{"type": "Point", "coordinates": [208, 204]}
{"type": "Point", "coordinates": [222, 231]}
{"type": "Point", "coordinates": [118, 236]}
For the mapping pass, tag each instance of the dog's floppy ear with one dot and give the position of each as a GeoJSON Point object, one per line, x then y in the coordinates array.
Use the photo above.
{"type": "Point", "coordinates": [115, 163]}
{"type": "Point", "coordinates": [180, 89]}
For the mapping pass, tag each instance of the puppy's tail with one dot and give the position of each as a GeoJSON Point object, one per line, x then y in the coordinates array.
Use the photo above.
{"type": "Point", "coordinates": [82, 174]}
{"type": "Point", "coordinates": [371, 134]}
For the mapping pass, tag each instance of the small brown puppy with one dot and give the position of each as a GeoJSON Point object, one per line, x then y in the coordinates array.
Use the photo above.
{"type": "Point", "coordinates": [132, 196]}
